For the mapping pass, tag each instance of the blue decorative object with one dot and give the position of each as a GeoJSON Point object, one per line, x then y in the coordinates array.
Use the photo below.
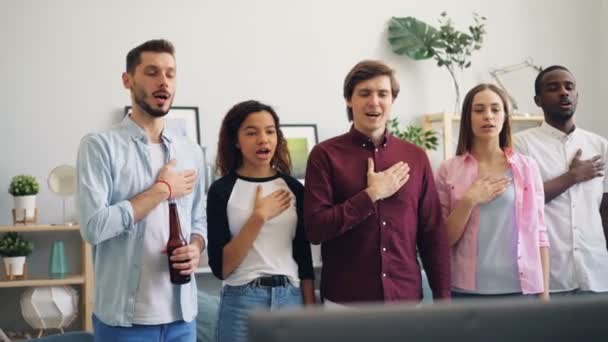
{"type": "Point", "coordinates": [57, 263]}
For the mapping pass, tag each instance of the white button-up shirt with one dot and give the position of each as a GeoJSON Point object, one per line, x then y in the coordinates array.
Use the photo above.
{"type": "Point", "coordinates": [579, 259]}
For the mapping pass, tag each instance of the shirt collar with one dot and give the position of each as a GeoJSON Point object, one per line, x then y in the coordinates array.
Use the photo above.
{"type": "Point", "coordinates": [137, 133]}
{"type": "Point", "coordinates": [468, 157]}
{"type": "Point", "coordinates": [365, 141]}
{"type": "Point", "coordinates": [556, 133]}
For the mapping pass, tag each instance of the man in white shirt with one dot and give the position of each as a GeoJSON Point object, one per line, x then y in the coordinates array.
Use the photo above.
{"type": "Point", "coordinates": [572, 164]}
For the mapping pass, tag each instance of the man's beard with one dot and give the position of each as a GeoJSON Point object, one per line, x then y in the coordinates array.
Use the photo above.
{"type": "Point", "coordinates": [562, 115]}
{"type": "Point", "coordinates": [157, 113]}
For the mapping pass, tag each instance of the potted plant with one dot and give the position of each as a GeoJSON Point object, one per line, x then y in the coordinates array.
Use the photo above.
{"type": "Point", "coordinates": [24, 189]}
{"type": "Point", "coordinates": [14, 249]}
{"type": "Point", "coordinates": [449, 47]}
{"type": "Point", "coordinates": [415, 135]}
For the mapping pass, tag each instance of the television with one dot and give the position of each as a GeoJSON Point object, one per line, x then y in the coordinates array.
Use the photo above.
{"type": "Point", "coordinates": [562, 319]}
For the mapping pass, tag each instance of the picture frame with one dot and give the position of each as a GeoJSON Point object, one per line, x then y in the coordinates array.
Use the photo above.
{"type": "Point", "coordinates": [301, 138]}
{"type": "Point", "coordinates": [182, 119]}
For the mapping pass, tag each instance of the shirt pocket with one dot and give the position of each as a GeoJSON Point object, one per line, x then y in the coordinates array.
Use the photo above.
{"type": "Point", "coordinates": [526, 206]}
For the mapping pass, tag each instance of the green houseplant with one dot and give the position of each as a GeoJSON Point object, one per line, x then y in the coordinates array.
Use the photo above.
{"type": "Point", "coordinates": [23, 185]}
{"type": "Point", "coordinates": [24, 189]}
{"type": "Point", "coordinates": [414, 134]}
{"type": "Point", "coordinates": [449, 47]}
{"type": "Point", "coordinates": [14, 249]}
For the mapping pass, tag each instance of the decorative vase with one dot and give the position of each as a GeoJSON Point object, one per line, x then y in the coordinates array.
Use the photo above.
{"type": "Point", "coordinates": [14, 266]}
{"type": "Point", "coordinates": [25, 205]}
{"type": "Point", "coordinates": [57, 263]}
{"type": "Point", "coordinates": [456, 75]}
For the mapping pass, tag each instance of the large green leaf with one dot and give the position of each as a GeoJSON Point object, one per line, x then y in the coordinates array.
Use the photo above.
{"type": "Point", "coordinates": [412, 37]}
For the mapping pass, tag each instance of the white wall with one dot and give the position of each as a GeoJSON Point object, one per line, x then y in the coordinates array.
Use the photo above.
{"type": "Point", "coordinates": [62, 60]}
{"type": "Point", "coordinates": [599, 60]}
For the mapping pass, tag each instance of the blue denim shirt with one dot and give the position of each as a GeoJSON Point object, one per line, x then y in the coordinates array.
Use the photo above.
{"type": "Point", "coordinates": [114, 166]}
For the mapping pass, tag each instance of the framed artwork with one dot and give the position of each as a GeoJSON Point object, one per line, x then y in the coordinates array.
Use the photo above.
{"type": "Point", "coordinates": [183, 120]}
{"type": "Point", "coordinates": [300, 141]}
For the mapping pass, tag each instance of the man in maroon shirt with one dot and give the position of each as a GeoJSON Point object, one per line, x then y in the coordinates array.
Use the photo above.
{"type": "Point", "coordinates": [370, 199]}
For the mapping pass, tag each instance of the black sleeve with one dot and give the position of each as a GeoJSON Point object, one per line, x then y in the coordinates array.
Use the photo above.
{"type": "Point", "coordinates": [301, 246]}
{"type": "Point", "coordinates": [218, 230]}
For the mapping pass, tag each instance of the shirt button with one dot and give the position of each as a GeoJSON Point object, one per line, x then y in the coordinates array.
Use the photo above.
{"type": "Point", "coordinates": [375, 150]}
{"type": "Point", "coordinates": [384, 223]}
{"type": "Point", "coordinates": [384, 249]}
{"type": "Point", "coordinates": [363, 145]}
{"type": "Point", "coordinates": [521, 273]}
{"type": "Point", "coordinates": [383, 275]}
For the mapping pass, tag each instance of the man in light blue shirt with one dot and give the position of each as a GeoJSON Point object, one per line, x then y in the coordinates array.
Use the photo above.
{"type": "Point", "coordinates": [126, 177]}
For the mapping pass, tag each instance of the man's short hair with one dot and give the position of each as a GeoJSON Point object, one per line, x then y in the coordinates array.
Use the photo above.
{"type": "Point", "coordinates": [364, 71]}
{"type": "Point", "coordinates": [538, 82]}
{"type": "Point", "coordinates": [155, 45]}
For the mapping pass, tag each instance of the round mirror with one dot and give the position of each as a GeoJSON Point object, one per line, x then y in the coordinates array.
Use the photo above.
{"type": "Point", "coordinates": [62, 180]}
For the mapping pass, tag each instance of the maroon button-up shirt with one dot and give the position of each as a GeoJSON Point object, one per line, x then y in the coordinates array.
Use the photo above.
{"type": "Point", "coordinates": [369, 249]}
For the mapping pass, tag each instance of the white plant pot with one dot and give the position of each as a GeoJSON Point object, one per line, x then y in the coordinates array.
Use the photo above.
{"type": "Point", "coordinates": [14, 265]}
{"type": "Point", "coordinates": [25, 202]}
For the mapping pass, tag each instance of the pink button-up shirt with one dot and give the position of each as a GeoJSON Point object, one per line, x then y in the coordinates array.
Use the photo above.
{"type": "Point", "coordinates": [453, 179]}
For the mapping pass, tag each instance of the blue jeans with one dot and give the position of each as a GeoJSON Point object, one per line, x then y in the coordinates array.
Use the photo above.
{"type": "Point", "coordinates": [237, 301]}
{"type": "Point", "coordinates": [179, 331]}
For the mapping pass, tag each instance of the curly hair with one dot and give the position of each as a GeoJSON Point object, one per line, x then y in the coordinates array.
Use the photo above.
{"type": "Point", "coordinates": [229, 157]}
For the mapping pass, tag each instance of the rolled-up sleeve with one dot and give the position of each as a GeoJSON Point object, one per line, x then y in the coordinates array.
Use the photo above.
{"type": "Point", "coordinates": [99, 219]}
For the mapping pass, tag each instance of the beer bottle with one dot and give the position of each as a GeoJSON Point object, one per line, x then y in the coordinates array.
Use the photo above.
{"type": "Point", "coordinates": [176, 240]}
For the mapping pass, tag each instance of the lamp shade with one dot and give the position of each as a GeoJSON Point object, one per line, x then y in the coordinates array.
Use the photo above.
{"type": "Point", "coordinates": [49, 307]}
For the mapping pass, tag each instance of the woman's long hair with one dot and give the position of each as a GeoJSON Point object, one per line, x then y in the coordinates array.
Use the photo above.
{"type": "Point", "coordinates": [466, 136]}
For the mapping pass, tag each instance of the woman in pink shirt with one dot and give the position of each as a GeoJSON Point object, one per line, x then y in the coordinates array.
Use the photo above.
{"type": "Point", "coordinates": [493, 204]}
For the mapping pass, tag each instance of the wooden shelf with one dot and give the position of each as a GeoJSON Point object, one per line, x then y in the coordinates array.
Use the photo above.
{"type": "Point", "coordinates": [447, 122]}
{"type": "Point", "coordinates": [440, 117]}
{"type": "Point", "coordinates": [38, 228]}
{"type": "Point", "coordinates": [69, 280]}
{"type": "Point", "coordinates": [84, 280]}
